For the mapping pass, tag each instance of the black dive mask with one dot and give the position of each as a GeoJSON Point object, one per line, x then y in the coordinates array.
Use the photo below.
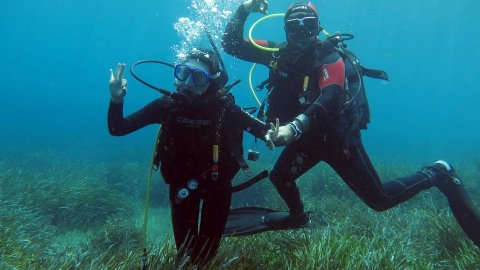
{"type": "Point", "coordinates": [301, 24]}
{"type": "Point", "coordinates": [309, 24]}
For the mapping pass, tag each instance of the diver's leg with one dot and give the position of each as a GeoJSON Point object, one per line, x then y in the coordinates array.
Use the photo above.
{"type": "Point", "coordinates": [447, 181]}
{"type": "Point", "coordinates": [297, 158]}
{"type": "Point", "coordinates": [184, 220]}
{"type": "Point", "coordinates": [356, 169]}
{"type": "Point", "coordinates": [358, 172]}
{"type": "Point", "coordinates": [215, 211]}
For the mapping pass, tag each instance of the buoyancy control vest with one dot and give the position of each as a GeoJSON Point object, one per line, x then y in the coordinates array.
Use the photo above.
{"type": "Point", "coordinates": [354, 114]}
{"type": "Point", "coordinates": [287, 98]}
{"type": "Point", "coordinates": [184, 146]}
{"type": "Point", "coordinates": [286, 72]}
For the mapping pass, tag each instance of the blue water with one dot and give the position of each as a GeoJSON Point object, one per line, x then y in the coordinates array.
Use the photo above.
{"type": "Point", "coordinates": [56, 55]}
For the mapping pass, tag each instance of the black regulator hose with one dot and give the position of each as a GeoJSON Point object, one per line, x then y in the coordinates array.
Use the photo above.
{"type": "Point", "coordinates": [161, 90]}
{"type": "Point", "coordinates": [254, 180]}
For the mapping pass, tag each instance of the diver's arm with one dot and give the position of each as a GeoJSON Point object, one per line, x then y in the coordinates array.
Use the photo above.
{"type": "Point", "coordinates": [249, 123]}
{"type": "Point", "coordinates": [234, 44]}
{"type": "Point", "coordinates": [331, 81]}
{"type": "Point", "coordinates": [150, 114]}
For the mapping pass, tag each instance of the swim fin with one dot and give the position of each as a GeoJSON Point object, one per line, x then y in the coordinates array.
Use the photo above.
{"type": "Point", "coordinates": [251, 220]}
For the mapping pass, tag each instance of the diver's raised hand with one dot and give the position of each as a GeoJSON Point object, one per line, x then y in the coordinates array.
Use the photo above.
{"type": "Point", "coordinates": [117, 84]}
{"type": "Point", "coordinates": [256, 6]}
{"type": "Point", "coordinates": [285, 135]}
{"type": "Point", "coordinates": [279, 135]}
{"type": "Point", "coordinates": [272, 134]}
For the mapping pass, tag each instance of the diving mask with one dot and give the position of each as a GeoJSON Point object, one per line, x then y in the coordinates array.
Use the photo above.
{"type": "Point", "coordinates": [198, 76]}
{"type": "Point", "coordinates": [310, 24]}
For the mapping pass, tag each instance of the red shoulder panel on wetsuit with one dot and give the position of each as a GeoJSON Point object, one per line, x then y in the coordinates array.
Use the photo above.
{"type": "Point", "coordinates": [333, 73]}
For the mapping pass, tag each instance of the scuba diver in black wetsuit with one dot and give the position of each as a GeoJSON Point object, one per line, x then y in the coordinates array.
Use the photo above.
{"type": "Point", "coordinates": [318, 115]}
{"type": "Point", "coordinates": [199, 121]}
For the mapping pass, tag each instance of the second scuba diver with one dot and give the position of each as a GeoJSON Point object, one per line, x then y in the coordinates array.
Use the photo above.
{"type": "Point", "coordinates": [199, 150]}
{"type": "Point", "coordinates": [321, 121]}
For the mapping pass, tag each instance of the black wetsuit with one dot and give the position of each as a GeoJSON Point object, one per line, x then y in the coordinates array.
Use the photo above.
{"type": "Point", "coordinates": [322, 141]}
{"type": "Point", "coordinates": [185, 152]}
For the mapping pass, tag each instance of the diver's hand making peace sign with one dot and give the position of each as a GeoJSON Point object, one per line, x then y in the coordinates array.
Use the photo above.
{"type": "Point", "coordinates": [118, 85]}
{"type": "Point", "coordinates": [256, 6]}
{"type": "Point", "coordinates": [279, 135]}
{"type": "Point", "coordinates": [272, 134]}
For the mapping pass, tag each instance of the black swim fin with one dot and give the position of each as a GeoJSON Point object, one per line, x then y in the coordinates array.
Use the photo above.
{"type": "Point", "coordinates": [375, 73]}
{"type": "Point", "coordinates": [251, 220]}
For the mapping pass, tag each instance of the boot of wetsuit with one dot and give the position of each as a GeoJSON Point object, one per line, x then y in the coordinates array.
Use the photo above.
{"type": "Point", "coordinates": [447, 181]}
